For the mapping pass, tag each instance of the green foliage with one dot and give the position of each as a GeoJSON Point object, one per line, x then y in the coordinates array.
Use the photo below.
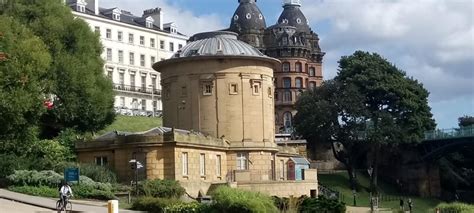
{"type": "Point", "coordinates": [10, 162]}
{"type": "Point", "coordinates": [49, 153]}
{"type": "Point", "coordinates": [162, 188]}
{"type": "Point", "coordinates": [153, 204]}
{"type": "Point", "coordinates": [288, 205]}
{"type": "Point", "coordinates": [322, 204]}
{"type": "Point", "coordinates": [132, 124]}
{"type": "Point", "coordinates": [42, 191]}
{"type": "Point", "coordinates": [95, 172]}
{"type": "Point", "coordinates": [456, 207]}
{"type": "Point", "coordinates": [93, 191]}
{"type": "Point", "coordinates": [234, 200]}
{"type": "Point", "coordinates": [192, 207]}
{"type": "Point", "coordinates": [35, 178]}
{"type": "Point", "coordinates": [466, 121]}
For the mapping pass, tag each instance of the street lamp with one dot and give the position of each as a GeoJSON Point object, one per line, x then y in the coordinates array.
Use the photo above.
{"type": "Point", "coordinates": [152, 99]}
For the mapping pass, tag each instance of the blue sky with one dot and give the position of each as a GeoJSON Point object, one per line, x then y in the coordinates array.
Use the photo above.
{"type": "Point", "coordinates": [431, 40]}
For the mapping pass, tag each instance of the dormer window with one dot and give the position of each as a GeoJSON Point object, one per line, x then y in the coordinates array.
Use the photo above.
{"type": "Point", "coordinates": [116, 17]}
{"type": "Point", "coordinates": [116, 14]}
{"type": "Point", "coordinates": [149, 22]}
{"type": "Point", "coordinates": [149, 25]}
{"type": "Point", "coordinates": [81, 8]}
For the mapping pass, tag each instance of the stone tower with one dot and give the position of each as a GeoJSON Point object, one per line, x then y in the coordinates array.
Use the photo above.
{"type": "Point", "coordinates": [249, 23]}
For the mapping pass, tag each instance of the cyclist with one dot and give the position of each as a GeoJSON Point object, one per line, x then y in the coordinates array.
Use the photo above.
{"type": "Point", "coordinates": [64, 192]}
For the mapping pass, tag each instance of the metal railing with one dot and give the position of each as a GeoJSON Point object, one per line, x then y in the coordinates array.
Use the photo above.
{"type": "Point", "coordinates": [137, 112]}
{"type": "Point", "coordinates": [440, 134]}
{"type": "Point", "coordinates": [145, 90]}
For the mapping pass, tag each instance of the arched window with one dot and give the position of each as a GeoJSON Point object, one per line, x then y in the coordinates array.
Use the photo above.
{"type": "Point", "coordinates": [287, 82]}
{"type": "Point", "coordinates": [298, 67]}
{"type": "Point", "coordinates": [284, 40]}
{"type": "Point", "coordinates": [287, 96]}
{"type": "Point", "coordinates": [287, 119]}
{"type": "Point", "coordinates": [299, 83]}
{"type": "Point", "coordinates": [312, 85]}
{"type": "Point", "coordinates": [312, 72]}
{"type": "Point", "coordinates": [285, 67]}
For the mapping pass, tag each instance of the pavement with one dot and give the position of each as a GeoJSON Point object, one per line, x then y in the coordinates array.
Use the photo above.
{"type": "Point", "coordinates": [8, 206]}
{"type": "Point", "coordinates": [50, 203]}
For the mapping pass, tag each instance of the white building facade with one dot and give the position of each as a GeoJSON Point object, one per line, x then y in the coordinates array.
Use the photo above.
{"type": "Point", "coordinates": [132, 45]}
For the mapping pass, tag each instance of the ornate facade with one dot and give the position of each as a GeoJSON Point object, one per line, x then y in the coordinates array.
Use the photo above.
{"type": "Point", "coordinates": [290, 40]}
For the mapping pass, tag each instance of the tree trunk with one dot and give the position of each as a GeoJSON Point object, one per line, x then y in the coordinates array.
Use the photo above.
{"type": "Point", "coordinates": [375, 165]}
{"type": "Point", "coordinates": [349, 164]}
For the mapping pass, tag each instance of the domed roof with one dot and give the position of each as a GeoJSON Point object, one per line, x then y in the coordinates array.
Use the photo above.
{"type": "Point", "coordinates": [217, 43]}
{"type": "Point", "coordinates": [247, 18]}
{"type": "Point", "coordinates": [293, 16]}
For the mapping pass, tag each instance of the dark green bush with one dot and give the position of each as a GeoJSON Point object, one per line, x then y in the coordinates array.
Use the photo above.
{"type": "Point", "coordinates": [88, 191]}
{"type": "Point", "coordinates": [239, 201]}
{"type": "Point", "coordinates": [193, 207]}
{"type": "Point", "coordinates": [42, 191]}
{"type": "Point", "coordinates": [161, 188]}
{"type": "Point", "coordinates": [153, 204]}
{"type": "Point", "coordinates": [35, 178]}
{"type": "Point", "coordinates": [456, 207]}
{"type": "Point", "coordinates": [322, 204]}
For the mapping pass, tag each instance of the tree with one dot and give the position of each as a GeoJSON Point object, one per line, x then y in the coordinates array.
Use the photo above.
{"type": "Point", "coordinates": [22, 81]}
{"type": "Point", "coordinates": [82, 95]}
{"type": "Point", "coordinates": [466, 121]}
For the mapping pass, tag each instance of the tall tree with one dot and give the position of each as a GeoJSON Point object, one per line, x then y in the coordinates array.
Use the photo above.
{"type": "Point", "coordinates": [22, 80]}
{"type": "Point", "coordinates": [82, 96]}
{"type": "Point", "coordinates": [466, 121]}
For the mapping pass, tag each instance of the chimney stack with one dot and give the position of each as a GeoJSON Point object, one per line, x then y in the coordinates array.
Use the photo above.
{"type": "Point", "coordinates": [156, 14]}
{"type": "Point", "coordinates": [93, 5]}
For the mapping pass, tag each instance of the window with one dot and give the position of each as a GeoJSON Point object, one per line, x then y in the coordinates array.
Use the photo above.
{"type": "Point", "coordinates": [269, 92]}
{"type": "Point", "coordinates": [149, 24]}
{"type": "Point", "coordinates": [152, 42]}
{"type": "Point", "coordinates": [287, 96]}
{"type": "Point", "coordinates": [120, 36]}
{"type": "Point", "coordinates": [242, 161]}
{"type": "Point", "coordinates": [131, 58]}
{"type": "Point", "coordinates": [255, 89]}
{"type": "Point", "coordinates": [143, 82]}
{"type": "Point", "coordinates": [312, 85]}
{"type": "Point", "coordinates": [81, 8]}
{"type": "Point", "coordinates": [130, 38]}
{"type": "Point", "coordinates": [122, 101]}
{"type": "Point", "coordinates": [142, 40]}
{"type": "Point", "coordinates": [162, 45]}
{"type": "Point", "coordinates": [132, 80]}
{"type": "Point", "coordinates": [143, 104]}
{"type": "Point", "coordinates": [218, 165]}
{"type": "Point", "coordinates": [285, 40]}
{"type": "Point", "coordinates": [171, 46]}
{"type": "Point", "coordinates": [121, 79]}
{"type": "Point", "coordinates": [286, 67]}
{"type": "Point", "coordinates": [184, 160]}
{"type": "Point", "coordinates": [202, 164]}
{"type": "Point", "coordinates": [299, 83]}
{"type": "Point", "coordinates": [142, 60]}
{"type": "Point", "coordinates": [286, 82]}
{"type": "Point", "coordinates": [184, 91]}
{"type": "Point", "coordinates": [153, 82]}
{"type": "Point", "coordinates": [298, 67]}
{"type": "Point", "coordinates": [287, 119]}
{"type": "Point", "coordinates": [109, 54]}
{"type": "Point", "coordinates": [152, 60]}
{"type": "Point", "coordinates": [233, 89]}
{"type": "Point", "coordinates": [282, 169]}
{"type": "Point", "coordinates": [207, 89]}
{"type": "Point", "coordinates": [108, 33]}
{"type": "Point", "coordinates": [154, 105]}
{"type": "Point", "coordinates": [180, 46]}
{"type": "Point", "coordinates": [135, 103]}
{"type": "Point", "coordinates": [120, 56]}
{"type": "Point", "coordinates": [101, 161]}
{"type": "Point", "coordinates": [97, 30]}
{"type": "Point", "coordinates": [110, 73]}
{"type": "Point", "coordinates": [312, 72]}
{"type": "Point", "coordinates": [116, 16]}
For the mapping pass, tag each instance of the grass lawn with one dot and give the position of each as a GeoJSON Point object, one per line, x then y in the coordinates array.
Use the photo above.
{"type": "Point", "coordinates": [340, 182]}
{"type": "Point", "coordinates": [132, 124]}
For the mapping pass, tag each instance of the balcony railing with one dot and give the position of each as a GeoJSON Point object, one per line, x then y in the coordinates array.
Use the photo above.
{"type": "Point", "coordinates": [145, 90]}
{"type": "Point", "coordinates": [137, 112]}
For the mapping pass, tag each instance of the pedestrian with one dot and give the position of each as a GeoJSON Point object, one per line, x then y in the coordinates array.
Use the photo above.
{"type": "Point", "coordinates": [410, 204]}
{"type": "Point", "coordinates": [401, 204]}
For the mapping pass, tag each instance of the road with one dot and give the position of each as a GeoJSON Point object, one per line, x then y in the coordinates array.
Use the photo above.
{"type": "Point", "coordinates": [15, 207]}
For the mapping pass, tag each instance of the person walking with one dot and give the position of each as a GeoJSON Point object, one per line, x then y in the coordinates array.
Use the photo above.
{"type": "Point", "coordinates": [410, 204]}
{"type": "Point", "coordinates": [401, 204]}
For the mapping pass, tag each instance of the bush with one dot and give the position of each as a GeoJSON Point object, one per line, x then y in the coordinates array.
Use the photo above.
{"type": "Point", "coordinates": [161, 188]}
{"type": "Point", "coordinates": [322, 204]}
{"type": "Point", "coordinates": [95, 172]}
{"type": "Point", "coordinates": [288, 205]}
{"type": "Point", "coordinates": [234, 200]}
{"type": "Point", "coordinates": [43, 191]}
{"type": "Point", "coordinates": [88, 191]}
{"type": "Point", "coordinates": [455, 207]}
{"type": "Point", "coordinates": [193, 207]}
{"type": "Point", "coordinates": [154, 205]}
{"type": "Point", "coordinates": [35, 178]}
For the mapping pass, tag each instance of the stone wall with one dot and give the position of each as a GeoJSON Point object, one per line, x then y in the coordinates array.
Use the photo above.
{"type": "Point", "coordinates": [281, 188]}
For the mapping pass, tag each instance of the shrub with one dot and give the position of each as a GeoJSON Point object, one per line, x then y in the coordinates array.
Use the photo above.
{"type": "Point", "coordinates": [35, 178]}
{"type": "Point", "coordinates": [162, 188]}
{"type": "Point", "coordinates": [288, 205]}
{"type": "Point", "coordinates": [234, 200]}
{"type": "Point", "coordinates": [153, 205]}
{"type": "Point", "coordinates": [43, 191]}
{"type": "Point", "coordinates": [456, 207]}
{"type": "Point", "coordinates": [193, 207]}
{"type": "Point", "coordinates": [322, 204]}
{"type": "Point", "coordinates": [88, 191]}
{"type": "Point", "coordinates": [95, 172]}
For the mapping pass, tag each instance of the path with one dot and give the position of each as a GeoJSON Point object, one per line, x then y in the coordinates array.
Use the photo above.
{"type": "Point", "coordinates": [352, 209]}
{"type": "Point", "coordinates": [15, 207]}
{"type": "Point", "coordinates": [50, 203]}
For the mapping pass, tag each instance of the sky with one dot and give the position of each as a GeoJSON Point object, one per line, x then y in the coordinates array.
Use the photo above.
{"type": "Point", "coordinates": [431, 40]}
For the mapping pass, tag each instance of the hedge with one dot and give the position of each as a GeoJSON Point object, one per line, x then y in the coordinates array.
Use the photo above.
{"type": "Point", "coordinates": [231, 200]}
{"type": "Point", "coordinates": [455, 207]}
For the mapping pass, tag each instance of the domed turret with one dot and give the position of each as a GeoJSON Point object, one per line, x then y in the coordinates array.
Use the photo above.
{"type": "Point", "coordinates": [247, 18]}
{"type": "Point", "coordinates": [293, 16]}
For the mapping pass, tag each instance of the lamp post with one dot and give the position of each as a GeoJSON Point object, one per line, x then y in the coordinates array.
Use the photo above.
{"type": "Point", "coordinates": [152, 99]}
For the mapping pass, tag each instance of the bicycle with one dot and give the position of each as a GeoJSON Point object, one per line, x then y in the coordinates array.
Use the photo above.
{"type": "Point", "coordinates": [65, 205]}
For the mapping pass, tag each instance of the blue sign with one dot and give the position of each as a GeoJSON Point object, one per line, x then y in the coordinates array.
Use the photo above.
{"type": "Point", "coordinates": [71, 174]}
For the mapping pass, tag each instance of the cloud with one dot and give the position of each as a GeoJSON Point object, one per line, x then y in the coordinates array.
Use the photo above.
{"type": "Point", "coordinates": [187, 21]}
{"type": "Point", "coordinates": [432, 40]}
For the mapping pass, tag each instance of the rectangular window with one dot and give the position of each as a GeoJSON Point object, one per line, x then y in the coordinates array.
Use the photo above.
{"type": "Point", "coordinates": [152, 42]}
{"type": "Point", "coordinates": [109, 54]}
{"type": "Point", "coordinates": [218, 166]}
{"type": "Point", "coordinates": [282, 169]}
{"type": "Point", "coordinates": [184, 160]}
{"type": "Point", "coordinates": [153, 82]}
{"type": "Point", "coordinates": [242, 161]}
{"type": "Point", "coordinates": [135, 103]}
{"type": "Point", "coordinates": [122, 101]}
{"type": "Point", "coordinates": [233, 89]}
{"type": "Point", "coordinates": [154, 105]}
{"type": "Point", "coordinates": [256, 88]}
{"type": "Point", "coordinates": [152, 60]}
{"type": "Point", "coordinates": [143, 104]}
{"type": "Point", "coordinates": [97, 30]}
{"type": "Point", "coordinates": [202, 164]}
{"type": "Point", "coordinates": [120, 56]}
{"type": "Point", "coordinates": [101, 161]}
{"type": "Point", "coordinates": [132, 58]}
{"type": "Point", "coordinates": [121, 79]}
{"type": "Point", "coordinates": [286, 67]}
{"type": "Point", "coordinates": [171, 46]}
{"type": "Point", "coordinates": [143, 83]}
{"type": "Point", "coordinates": [119, 36]}
{"type": "Point", "coordinates": [162, 45]}
{"type": "Point", "coordinates": [184, 91]}
{"type": "Point", "coordinates": [142, 40]}
{"type": "Point", "coordinates": [132, 81]}
{"type": "Point", "coordinates": [110, 72]}
{"type": "Point", "coordinates": [130, 38]}
{"type": "Point", "coordinates": [108, 33]}
{"type": "Point", "coordinates": [286, 82]}
{"type": "Point", "coordinates": [142, 60]}
{"type": "Point", "coordinates": [207, 89]}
